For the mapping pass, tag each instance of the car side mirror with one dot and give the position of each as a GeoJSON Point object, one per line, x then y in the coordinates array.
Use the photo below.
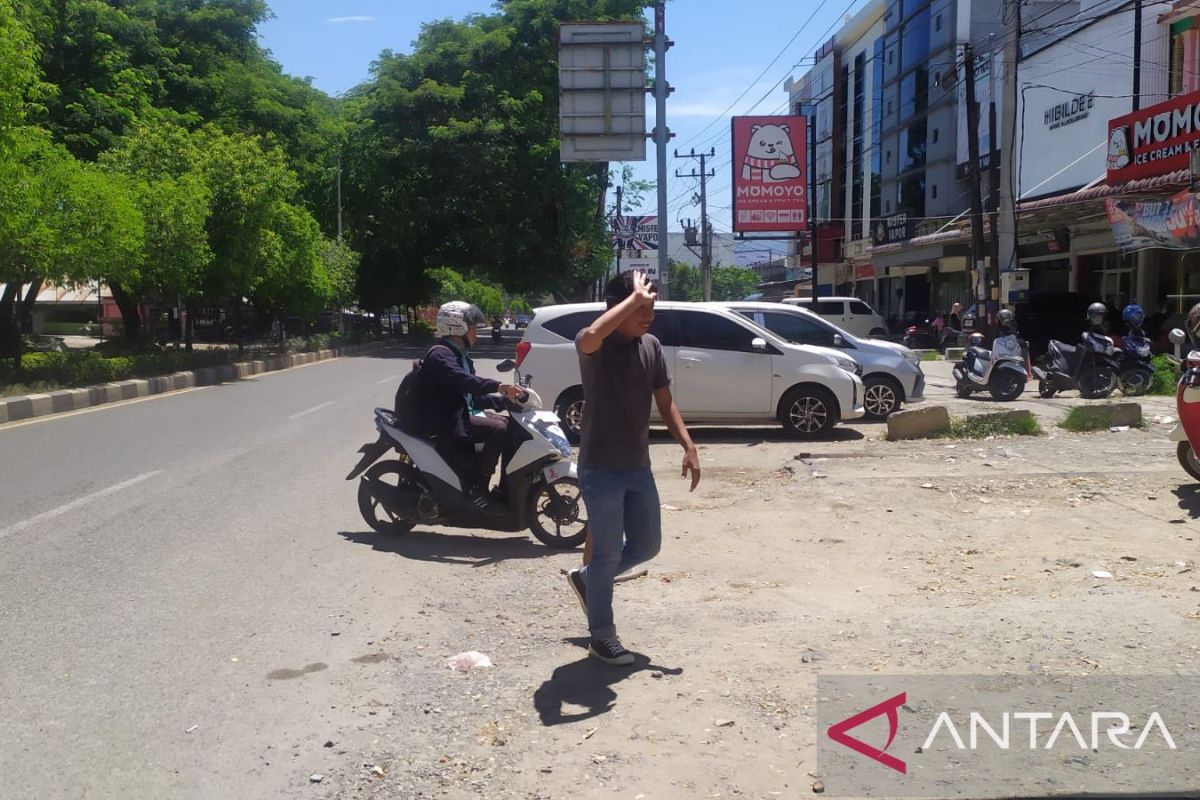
{"type": "Point", "coordinates": [1177, 336]}
{"type": "Point", "coordinates": [759, 343]}
{"type": "Point", "coordinates": [507, 365]}
{"type": "Point", "coordinates": [838, 341]}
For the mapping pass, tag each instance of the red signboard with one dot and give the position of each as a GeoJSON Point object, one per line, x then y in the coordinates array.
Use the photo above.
{"type": "Point", "coordinates": [770, 174]}
{"type": "Point", "coordinates": [1154, 140]}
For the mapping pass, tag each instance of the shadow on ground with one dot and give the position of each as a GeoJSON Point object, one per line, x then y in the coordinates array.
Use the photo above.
{"type": "Point", "coordinates": [1189, 499]}
{"type": "Point", "coordinates": [452, 548]}
{"type": "Point", "coordinates": [586, 683]}
{"type": "Point", "coordinates": [755, 436]}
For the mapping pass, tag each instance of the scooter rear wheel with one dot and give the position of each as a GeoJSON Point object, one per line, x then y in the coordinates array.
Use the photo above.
{"type": "Point", "coordinates": [379, 493]}
{"type": "Point", "coordinates": [1187, 459]}
{"type": "Point", "coordinates": [1007, 385]}
{"type": "Point", "coordinates": [557, 515]}
{"type": "Point", "coordinates": [1045, 389]}
{"type": "Point", "coordinates": [1134, 382]}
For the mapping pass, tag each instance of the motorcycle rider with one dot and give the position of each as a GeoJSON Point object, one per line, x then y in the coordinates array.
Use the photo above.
{"type": "Point", "coordinates": [1007, 319]}
{"type": "Point", "coordinates": [451, 400]}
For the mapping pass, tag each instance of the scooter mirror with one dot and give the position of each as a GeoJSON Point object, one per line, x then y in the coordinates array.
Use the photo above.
{"type": "Point", "coordinates": [1177, 336]}
{"type": "Point", "coordinates": [507, 365]}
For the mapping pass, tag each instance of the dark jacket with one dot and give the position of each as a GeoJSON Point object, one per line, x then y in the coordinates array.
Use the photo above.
{"type": "Point", "coordinates": [442, 387]}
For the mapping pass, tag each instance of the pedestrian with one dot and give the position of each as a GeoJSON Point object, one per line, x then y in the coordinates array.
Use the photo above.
{"type": "Point", "coordinates": [623, 368]}
{"type": "Point", "coordinates": [956, 317]}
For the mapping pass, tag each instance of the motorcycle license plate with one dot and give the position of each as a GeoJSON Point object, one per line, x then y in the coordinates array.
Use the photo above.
{"type": "Point", "coordinates": [557, 471]}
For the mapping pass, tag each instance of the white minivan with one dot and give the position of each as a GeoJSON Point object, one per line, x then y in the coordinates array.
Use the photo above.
{"type": "Point", "coordinates": [725, 369]}
{"type": "Point", "coordinates": [848, 313]}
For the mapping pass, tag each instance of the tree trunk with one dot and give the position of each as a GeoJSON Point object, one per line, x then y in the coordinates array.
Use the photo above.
{"type": "Point", "coordinates": [189, 326]}
{"type": "Point", "coordinates": [130, 315]}
{"type": "Point", "coordinates": [10, 337]}
{"type": "Point", "coordinates": [25, 307]}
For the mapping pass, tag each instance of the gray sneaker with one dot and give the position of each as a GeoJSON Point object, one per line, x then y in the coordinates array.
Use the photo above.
{"type": "Point", "coordinates": [575, 581]}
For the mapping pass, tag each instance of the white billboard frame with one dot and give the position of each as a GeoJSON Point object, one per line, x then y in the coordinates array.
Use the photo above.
{"type": "Point", "coordinates": [602, 91]}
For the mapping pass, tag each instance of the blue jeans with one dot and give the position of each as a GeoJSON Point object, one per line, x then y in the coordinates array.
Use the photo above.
{"type": "Point", "coordinates": [625, 520]}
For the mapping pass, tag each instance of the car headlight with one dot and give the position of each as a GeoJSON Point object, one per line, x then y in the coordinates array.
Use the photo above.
{"type": "Point", "coordinates": [911, 357]}
{"type": "Point", "coordinates": [848, 364]}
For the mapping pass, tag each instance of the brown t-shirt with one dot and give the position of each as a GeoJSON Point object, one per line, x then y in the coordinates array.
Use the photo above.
{"type": "Point", "coordinates": [619, 381]}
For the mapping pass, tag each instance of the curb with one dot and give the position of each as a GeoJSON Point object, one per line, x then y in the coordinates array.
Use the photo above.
{"type": "Point", "coordinates": [22, 407]}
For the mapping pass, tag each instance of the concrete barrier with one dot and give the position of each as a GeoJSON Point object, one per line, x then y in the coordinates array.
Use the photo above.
{"type": "Point", "coordinates": [917, 423]}
{"type": "Point", "coordinates": [1109, 414]}
{"type": "Point", "coordinates": [14, 409]}
{"type": "Point", "coordinates": [954, 353]}
{"type": "Point", "coordinates": [1000, 417]}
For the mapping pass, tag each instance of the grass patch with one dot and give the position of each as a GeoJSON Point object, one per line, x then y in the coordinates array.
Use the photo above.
{"type": "Point", "coordinates": [1088, 419]}
{"type": "Point", "coordinates": [1165, 376]}
{"type": "Point", "coordinates": [985, 425]}
{"type": "Point", "coordinates": [931, 356]}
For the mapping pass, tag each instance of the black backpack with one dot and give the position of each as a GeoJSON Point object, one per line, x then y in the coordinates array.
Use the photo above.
{"type": "Point", "coordinates": [408, 412]}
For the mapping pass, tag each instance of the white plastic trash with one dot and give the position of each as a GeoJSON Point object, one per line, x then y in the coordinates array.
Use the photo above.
{"type": "Point", "coordinates": [465, 662]}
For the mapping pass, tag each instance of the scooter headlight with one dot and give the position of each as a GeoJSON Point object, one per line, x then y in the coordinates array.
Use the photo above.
{"type": "Point", "coordinates": [554, 435]}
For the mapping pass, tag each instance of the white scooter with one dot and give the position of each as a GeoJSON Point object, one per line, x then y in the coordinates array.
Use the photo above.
{"type": "Point", "coordinates": [539, 480]}
{"type": "Point", "coordinates": [1000, 371]}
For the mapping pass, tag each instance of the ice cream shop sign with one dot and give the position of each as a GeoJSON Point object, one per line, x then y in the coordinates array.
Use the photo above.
{"type": "Point", "coordinates": [1155, 140]}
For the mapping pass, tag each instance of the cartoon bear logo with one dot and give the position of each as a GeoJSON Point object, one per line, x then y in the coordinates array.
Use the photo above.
{"type": "Point", "coordinates": [769, 155]}
{"type": "Point", "coordinates": [1118, 148]}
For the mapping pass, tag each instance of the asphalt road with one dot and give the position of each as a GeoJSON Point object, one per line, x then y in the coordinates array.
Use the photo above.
{"type": "Point", "coordinates": [168, 565]}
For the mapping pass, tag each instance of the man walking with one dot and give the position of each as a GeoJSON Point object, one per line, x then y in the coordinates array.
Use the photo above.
{"type": "Point", "coordinates": [622, 367]}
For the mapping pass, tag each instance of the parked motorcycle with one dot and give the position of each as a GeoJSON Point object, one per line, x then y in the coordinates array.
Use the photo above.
{"type": "Point", "coordinates": [497, 337]}
{"type": "Point", "coordinates": [539, 480]}
{"type": "Point", "coordinates": [1135, 373]}
{"type": "Point", "coordinates": [1091, 367]}
{"type": "Point", "coordinates": [1001, 371]}
{"type": "Point", "coordinates": [1187, 404]}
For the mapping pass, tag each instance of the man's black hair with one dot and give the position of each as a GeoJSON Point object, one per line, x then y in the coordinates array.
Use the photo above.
{"type": "Point", "coordinates": [620, 287]}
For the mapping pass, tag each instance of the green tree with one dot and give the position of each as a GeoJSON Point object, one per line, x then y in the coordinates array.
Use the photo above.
{"type": "Point", "coordinates": [733, 283]}
{"type": "Point", "coordinates": [18, 71]}
{"type": "Point", "coordinates": [453, 152]}
{"type": "Point", "coordinates": [684, 282]}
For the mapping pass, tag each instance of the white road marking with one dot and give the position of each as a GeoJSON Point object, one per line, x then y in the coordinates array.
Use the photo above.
{"type": "Point", "coordinates": [74, 504]}
{"type": "Point", "coordinates": [392, 379]}
{"type": "Point", "coordinates": [312, 410]}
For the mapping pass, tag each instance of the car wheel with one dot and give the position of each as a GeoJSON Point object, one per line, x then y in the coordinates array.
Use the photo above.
{"type": "Point", "coordinates": [808, 412]}
{"type": "Point", "coordinates": [881, 396]}
{"type": "Point", "coordinates": [570, 413]}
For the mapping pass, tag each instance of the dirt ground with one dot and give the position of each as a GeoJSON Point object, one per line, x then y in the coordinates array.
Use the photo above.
{"type": "Point", "coordinates": [849, 556]}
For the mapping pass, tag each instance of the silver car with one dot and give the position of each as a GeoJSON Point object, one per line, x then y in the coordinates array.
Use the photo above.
{"type": "Point", "coordinates": [891, 372]}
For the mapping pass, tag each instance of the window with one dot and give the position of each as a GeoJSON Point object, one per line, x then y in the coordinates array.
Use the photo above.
{"type": "Point", "coordinates": [827, 308]}
{"type": "Point", "coordinates": [712, 332]}
{"type": "Point", "coordinates": [935, 135]}
{"type": "Point", "coordinates": [933, 191]}
{"type": "Point", "coordinates": [889, 157]}
{"type": "Point", "coordinates": [911, 194]}
{"type": "Point", "coordinates": [914, 45]}
{"type": "Point", "coordinates": [796, 328]}
{"type": "Point", "coordinates": [914, 92]}
{"type": "Point", "coordinates": [665, 328]}
{"type": "Point", "coordinates": [937, 22]}
{"type": "Point", "coordinates": [913, 146]}
{"type": "Point", "coordinates": [861, 308]}
{"type": "Point", "coordinates": [568, 326]}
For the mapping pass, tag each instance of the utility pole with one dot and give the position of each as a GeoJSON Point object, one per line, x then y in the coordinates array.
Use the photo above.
{"type": "Point", "coordinates": [661, 134]}
{"type": "Point", "coordinates": [810, 208]}
{"type": "Point", "coordinates": [1006, 217]}
{"type": "Point", "coordinates": [705, 231]}
{"type": "Point", "coordinates": [1137, 55]}
{"type": "Point", "coordinates": [977, 242]}
{"type": "Point", "coordinates": [616, 216]}
{"type": "Point", "coordinates": [993, 202]}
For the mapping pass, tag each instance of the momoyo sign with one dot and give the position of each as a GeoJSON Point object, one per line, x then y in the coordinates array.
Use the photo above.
{"type": "Point", "coordinates": [1154, 141]}
{"type": "Point", "coordinates": [1076, 109]}
{"type": "Point", "coordinates": [770, 174]}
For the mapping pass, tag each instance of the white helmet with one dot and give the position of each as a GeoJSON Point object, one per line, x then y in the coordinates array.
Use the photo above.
{"type": "Point", "coordinates": [457, 317]}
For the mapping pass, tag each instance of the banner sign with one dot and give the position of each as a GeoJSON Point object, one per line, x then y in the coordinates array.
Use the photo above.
{"type": "Point", "coordinates": [635, 233]}
{"type": "Point", "coordinates": [770, 174]}
{"type": "Point", "coordinates": [1044, 243]}
{"type": "Point", "coordinates": [1172, 224]}
{"type": "Point", "coordinates": [896, 228]}
{"type": "Point", "coordinates": [1154, 141]}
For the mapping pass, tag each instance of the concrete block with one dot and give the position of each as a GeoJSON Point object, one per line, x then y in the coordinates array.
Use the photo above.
{"type": "Point", "coordinates": [206, 376]}
{"type": "Point", "coordinates": [326, 355]}
{"type": "Point", "coordinates": [917, 423]}
{"type": "Point", "coordinates": [3, 411]}
{"type": "Point", "coordinates": [80, 398]}
{"type": "Point", "coordinates": [954, 353]}
{"type": "Point", "coordinates": [1110, 414]}
{"type": "Point", "coordinates": [242, 368]}
{"type": "Point", "coordinates": [110, 393]}
{"type": "Point", "coordinates": [41, 404]}
{"type": "Point", "coordinates": [19, 408]}
{"type": "Point", "coordinates": [161, 384]}
{"type": "Point", "coordinates": [258, 367]}
{"type": "Point", "coordinates": [62, 401]}
{"type": "Point", "coordinates": [227, 372]}
{"type": "Point", "coordinates": [184, 380]}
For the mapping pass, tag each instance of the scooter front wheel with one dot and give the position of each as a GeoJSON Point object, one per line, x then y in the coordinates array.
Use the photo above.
{"type": "Point", "coordinates": [1045, 389]}
{"type": "Point", "coordinates": [557, 515]}
{"type": "Point", "coordinates": [1134, 382]}
{"type": "Point", "coordinates": [1187, 459]}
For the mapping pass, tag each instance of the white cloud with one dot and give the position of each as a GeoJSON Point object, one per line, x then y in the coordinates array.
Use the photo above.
{"type": "Point", "coordinates": [341, 20]}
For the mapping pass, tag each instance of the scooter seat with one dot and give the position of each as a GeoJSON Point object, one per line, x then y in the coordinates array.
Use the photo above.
{"type": "Point", "coordinates": [1063, 347]}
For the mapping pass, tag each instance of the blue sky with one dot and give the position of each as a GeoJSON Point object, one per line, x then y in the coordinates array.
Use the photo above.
{"type": "Point", "coordinates": [720, 50]}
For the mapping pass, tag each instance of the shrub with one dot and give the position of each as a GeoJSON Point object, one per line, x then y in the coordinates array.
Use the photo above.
{"type": "Point", "coordinates": [981, 427]}
{"type": "Point", "coordinates": [1165, 376]}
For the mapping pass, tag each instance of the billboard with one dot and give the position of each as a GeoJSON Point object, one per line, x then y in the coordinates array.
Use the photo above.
{"type": "Point", "coordinates": [1154, 141]}
{"type": "Point", "coordinates": [1172, 224]}
{"type": "Point", "coordinates": [602, 91]}
{"type": "Point", "coordinates": [770, 174]}
{"type": "Point", "coordinates": [635, 233]}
